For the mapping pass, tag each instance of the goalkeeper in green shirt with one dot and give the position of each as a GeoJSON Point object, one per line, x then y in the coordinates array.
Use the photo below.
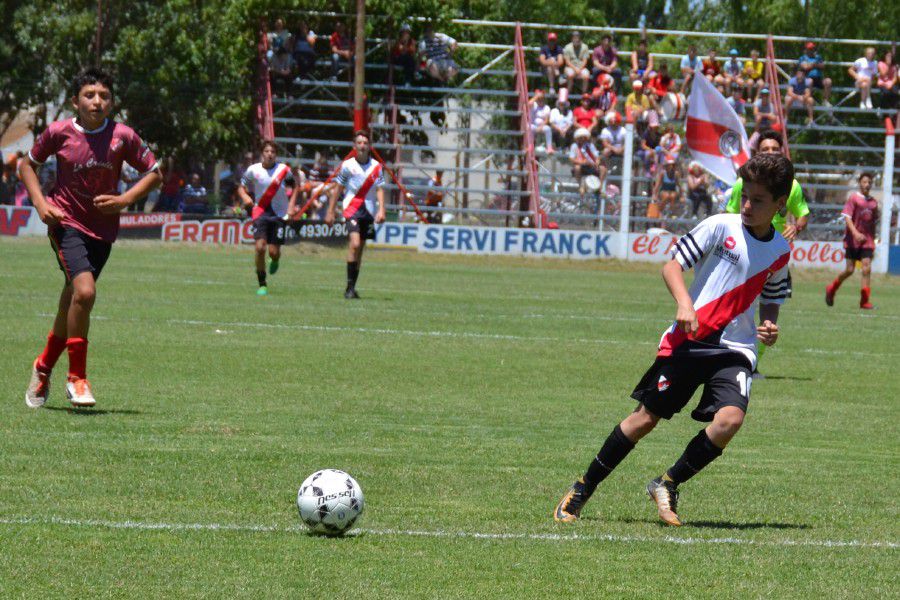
{"type": "Point", "coordinates": [770, 143]}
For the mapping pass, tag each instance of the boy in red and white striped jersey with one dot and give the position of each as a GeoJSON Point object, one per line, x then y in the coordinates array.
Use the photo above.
{"type": "Point", "coordinates": [361, 182]}
{"type": "Point", "coordinates": [739, 261]}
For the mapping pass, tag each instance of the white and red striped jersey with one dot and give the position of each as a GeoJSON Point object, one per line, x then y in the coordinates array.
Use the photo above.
{"type": "Point", "coordinates": [269, 187]}
{"type": "Point", "coordinates": [360, 183]}
{"type": "Point", "coordinates": [732, 271]}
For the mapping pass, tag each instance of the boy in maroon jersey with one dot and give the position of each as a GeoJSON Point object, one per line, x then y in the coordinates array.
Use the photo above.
{"type": "Point", "coordinates": [82, 217]}
{"type": "Point", "coordinates": [861, 216]}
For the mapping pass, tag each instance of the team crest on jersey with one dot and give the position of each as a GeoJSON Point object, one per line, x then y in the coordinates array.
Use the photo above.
{"type": "Point", "coordinates": [115, 144]}
{"type": "Point", "coordinates": [663, 383]}
{"type": "Point", "coordinates": [730, 243]}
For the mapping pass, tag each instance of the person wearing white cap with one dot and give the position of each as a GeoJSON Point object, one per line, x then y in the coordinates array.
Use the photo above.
{"type": "Point", "coordinates": [641, 105]}
{"type": "Point", "coordinates": [585, 157]}
{"type": "Point", "coordinates": [562, 121]}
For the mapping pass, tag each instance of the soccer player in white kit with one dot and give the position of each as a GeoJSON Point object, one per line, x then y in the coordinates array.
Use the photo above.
{"type": "Point", "coordinates": [738, 261]}
{"type": "Point", "coordinates": [361, 183]}
{"type": "Point", "coordinates": [269, 207]}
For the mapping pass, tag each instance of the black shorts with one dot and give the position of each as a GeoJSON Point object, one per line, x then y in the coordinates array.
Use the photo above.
{"type": "Point", "coordinates": [77, 252]}
{"type": "Point", "coordinates": [270, 228]}
{"type": "Point", "coordinates": [858, 253]}
{"type": "Point", "coordinates": [818, 82]}
{"type": "Point", "coordinates": [669, 384]}
{"type": "Point", "coordinates": [362, 223]}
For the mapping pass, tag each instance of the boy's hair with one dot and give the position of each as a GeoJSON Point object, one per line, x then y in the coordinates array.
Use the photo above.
{"type": "Point", "coordinates": [90, 76]}
{"type": "Point", "coordinates": [770, 134]}
{"type": "Point", "coordinates": [774, 171]}
{"type": "Point", "coordinates": [868, 174]}
{"type": "Point", "coordinates": [361, 132]}
{"type": "Point", "coordinates": [266, 144]}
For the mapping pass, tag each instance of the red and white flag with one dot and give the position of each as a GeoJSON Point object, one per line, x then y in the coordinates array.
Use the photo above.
{"type": "Point", "coordinates": [715, 135]}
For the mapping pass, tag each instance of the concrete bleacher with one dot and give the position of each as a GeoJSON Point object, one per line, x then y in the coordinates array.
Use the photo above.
{"type": "Point", "coordinates": [469, 129]}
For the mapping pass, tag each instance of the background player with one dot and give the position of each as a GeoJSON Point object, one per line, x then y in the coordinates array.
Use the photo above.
{"type": "Point", "coordinates": [361, 181]}
{"type": "Point", "coordinates": [737, 260]}
{"type": "Point", "coordinates": [861, 216]}
{"type": "Point", "coordinates": [269, 207]}
{"type": "Point", "coordinates": [82, 217]}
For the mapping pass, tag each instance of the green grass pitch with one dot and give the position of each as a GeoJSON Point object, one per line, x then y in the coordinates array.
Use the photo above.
{"type": "Point", "coordinates": [464, 394]}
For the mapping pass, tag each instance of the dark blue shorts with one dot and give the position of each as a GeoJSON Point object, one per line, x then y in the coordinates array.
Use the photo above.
{"type": "Point", "coordinates": [77, 252]}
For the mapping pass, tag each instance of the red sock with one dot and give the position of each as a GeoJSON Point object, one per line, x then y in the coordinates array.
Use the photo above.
{"type": "Point", "coordinates": [834, 285]}
{"type": "Point", "coordinates": [52, 351]}
{"type": "Point", "coordinates": [864, 294]}
{"type": "Point", "coordinates": [77, 357]}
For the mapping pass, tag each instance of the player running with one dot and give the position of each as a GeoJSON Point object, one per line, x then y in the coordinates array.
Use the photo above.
{"type": "Point", "coordinates": [82, 217]}
{"type": "Point", "coordinates": [269, 207]}
{"type": "Point", "coordinates": [737, 260]}
{"type": "Point", "coordinates": [361, 181]}
{"type": "Point", "coordinates": [861, 216]}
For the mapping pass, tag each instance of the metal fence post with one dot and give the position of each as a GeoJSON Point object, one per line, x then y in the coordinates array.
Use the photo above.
{"type": "Point", "coordinates": [887, 198]}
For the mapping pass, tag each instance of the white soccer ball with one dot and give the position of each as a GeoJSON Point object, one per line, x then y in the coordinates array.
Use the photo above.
{"type": "Point", "coordinates": [330, 502]}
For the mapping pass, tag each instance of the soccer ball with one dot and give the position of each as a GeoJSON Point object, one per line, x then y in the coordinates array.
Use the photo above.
{"type": "Point", "coordinates": [330, 502]}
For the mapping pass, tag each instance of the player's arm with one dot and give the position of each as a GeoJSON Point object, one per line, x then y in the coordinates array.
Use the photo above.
{"type": "Point", "coordinates": [767, 332]}
{"type": "Point", "coordinates": [381, 216]}
{"type": "Point", "coordinates": [246, 200]}
{"type": "Point", "coordinates": [337, 190]}
{"type": "Point", "coordinates": [111, 204]}
{"type": "Point", "coordinates": [48, 213]}
{"type": "Point", "coordinates": [685, 316]}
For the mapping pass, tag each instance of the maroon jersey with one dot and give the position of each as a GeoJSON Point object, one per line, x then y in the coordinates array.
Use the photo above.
{"type": "Point", "coordinates": [863, 212]}
{"type": "Point", "coordinates": [88, 164]}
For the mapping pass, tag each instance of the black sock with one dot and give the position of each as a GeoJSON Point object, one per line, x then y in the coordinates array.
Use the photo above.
{"type": "Point", "coordinates": [614, 450]}
{"type": "Point", "coordinates": [700, 452]}
{"type": "Point", "coordinates": [261, 276]}
{"type": "Point", "coordinates": [352, 274]}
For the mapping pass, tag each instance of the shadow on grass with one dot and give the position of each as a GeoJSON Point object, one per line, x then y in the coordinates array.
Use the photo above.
{"type": "Point", "coordinates": [93, 412]}
{"type": "Point", "coordinates": [719, 525]}
{"type": "Point", "coordinates": [782, 378]}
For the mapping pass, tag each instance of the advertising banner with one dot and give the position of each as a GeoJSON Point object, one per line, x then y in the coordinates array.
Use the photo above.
{"type": "Point", "coordinates": [20, 221]}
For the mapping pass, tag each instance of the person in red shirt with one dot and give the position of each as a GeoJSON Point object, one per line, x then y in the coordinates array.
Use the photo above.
{"type": "Point", "coordinates": [861, 216]}
{"type": "Point", "coordinates": [403, 54]}
{"type": "Point", "coordinates": [713, 71]}
{"type": "Point", "coordinates": [660, 83]}
{"type": "Point", "coordinates": [586, 115]}
{"type": "Point", "coordinates": [82, 217]}
{"type": "Point", "coordinates": [341, 50]}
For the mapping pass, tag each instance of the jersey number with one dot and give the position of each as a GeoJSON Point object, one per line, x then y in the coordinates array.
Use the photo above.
{"type": "Point", "coordinates": [744, 383]}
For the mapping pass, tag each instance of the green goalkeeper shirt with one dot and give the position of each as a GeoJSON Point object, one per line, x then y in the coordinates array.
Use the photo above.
{"type": "Point", "coordinates": [796, 204]}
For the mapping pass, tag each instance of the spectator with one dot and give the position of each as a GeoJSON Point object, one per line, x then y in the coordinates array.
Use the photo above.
{"type": "Point", "coordinates": [642, 106]}
{"type": "Point", "coordinates": [316, 177]}
{"type": "Point", "coordinates": [603, 97]}
{"type": "Point", "coordinates": [670, 144]}
{"type": "Point", "coordinates": [539, 119]}
{"type": "Point", "coordinates": [585, 158]}
{"type": "Point", "coordinates": [403, 54]}
{"type": "Point", "coordinates": [799, 91]}
{"type": "Point", "coordinates": [562, 121]}
{"type": "Point", "coordinates": [193, 197]}
{"type": "Point", "coordinates": [812, 65]}
{"type": "Point", "coordinates": [606, 61]}
{"type": "Point", "coordinates": [736, 101]}
{"type": "Point", "coordinates": [437, 49]}
{"type": "Point", "coordinates": [732, 69]}
{"type": "Point", "coordinates": [648, 143]}
{"type": "Point", "coordinates": [764, 116]}
{"type": "Point", "coordinates": [305, 50]}
{"type": "Point", "coordinates": [754, 76]}
{"type": "Point", "coordinates": [281, 71]}
{"type": "Point", "coordinates": [8, 184]}
{"type": "Point", "coordinates": [612, 139]}
{"type": "Point", "coordinates": [170, 191]}
{"type": "Point", "coordinates": [666, 189]}
{"type": "Point", "coordinates": [341, 51]}
{"type": "Point", "coordinates": [660, 83]}
{"type": "Point", "coordinates": [585, 115]}
{"type": "Point", "coordinates": [690, 64]}
{"type": "Point", "coordinates": [576, 57]}
{"type": "Point", "coordinates": [552, 61]}
{"type": "Point", "coordinates": [698, 184]}
{"type": "Point", "coordinates": [865, 71]}
{"type": "Point", "coordinates": [278, 38]}
{"type": "Point", "coordinates": [641, 63]}
{"type": "Point", "coordinates": [434, 197]}
{"type": "Point", "coordinates": [888, 82]}
{"type": "Point", "coordinates": [712, 71]}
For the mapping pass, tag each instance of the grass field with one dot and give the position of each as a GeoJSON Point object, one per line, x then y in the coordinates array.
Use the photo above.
{"type": "Point", "coordinates": [464, 395]}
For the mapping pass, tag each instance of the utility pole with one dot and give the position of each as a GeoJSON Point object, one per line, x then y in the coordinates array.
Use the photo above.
{"type": "Point", "coordinates": [360, 112]}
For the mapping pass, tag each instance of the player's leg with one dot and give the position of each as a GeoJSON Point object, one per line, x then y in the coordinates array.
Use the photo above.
{"type": "Point", "coordinates": [274, 258]}
{"type": "Point", "coordinates": [866, 291]}
{"type": "Point", "coordinates": [39, 386]}
{"type": "Point", "coordinates": [259, 251]}
{"type": "Point", "coordinates": [78, 322]}
{"type": "Point", "coordinates": [354, 258]}
{"type": "Point", "coordinates": [832, 288]}
{"type": "Point", "coordinates": [275, 237]}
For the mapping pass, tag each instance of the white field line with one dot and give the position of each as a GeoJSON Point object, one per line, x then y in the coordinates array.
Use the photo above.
{"type": "Point", "coordinates": [544, 537]}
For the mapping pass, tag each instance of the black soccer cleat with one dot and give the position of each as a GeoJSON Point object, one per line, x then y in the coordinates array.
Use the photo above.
{"type": "Point", "coordinates": [569, 508]}
{"type": "Point", "coordinates": [665, 494]}
{"type": "Point", "coordinates": [351, 294]}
